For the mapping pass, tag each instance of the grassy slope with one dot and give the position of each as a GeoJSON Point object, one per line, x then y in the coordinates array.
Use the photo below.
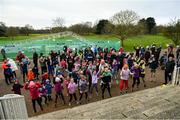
{"type": "Point", "coordinates": [21, 37]}
{"type": "Point", "coordinates": [143, 40]}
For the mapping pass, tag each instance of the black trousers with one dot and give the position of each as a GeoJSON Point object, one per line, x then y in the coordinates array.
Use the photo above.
{"type": "Point", "coordinates": [167, 76]}
{"type": "Point", "coordinates": [136, 81]}
{"type": "Point", "coordinates": [59, 94]}
{"type": "Point", "coordinates": [81, 95]}
{"type": "Point", "coordinates": [38, 100]}
{"type": "Point", "coordinates": [7, 79]}
{"type": "Point", "coordinates": [104, 87]}
{"type": "Point", "coordinates": [94, 86]}
{"type": "Point", "coordinates": [24, 75]}
{"type": "Point", "coordinates": [71, 96]}
{"type": "Point", "coordinates": [45, 99]}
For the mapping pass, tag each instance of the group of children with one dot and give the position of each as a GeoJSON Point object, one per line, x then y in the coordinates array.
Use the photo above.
{"type": "Point", "coordinates": [71, 72]}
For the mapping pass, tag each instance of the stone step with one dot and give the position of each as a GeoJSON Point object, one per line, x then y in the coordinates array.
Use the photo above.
{"type": "Point", "coordinates": [141, 105]}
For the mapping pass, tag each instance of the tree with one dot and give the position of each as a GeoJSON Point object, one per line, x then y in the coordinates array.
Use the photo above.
{"type": "Point", "coordinates": [82, 28]}
{"type": "Point", "coordinates": [26, 30]}
{"type": "Point", "coordinates": [124, 20]}
{"type": "Point", "coordinates": [141, 26]}
{"type": "Point", "coordinates": [173, 31]}
{"type": "Point", "coordinates": [58, 22]}
{"type": "Point", "coordinates": [150, 22]}
{"type": "Point", "coordinates": [104, 27]}
{"type": "Point", "coordinates": [58, 25]}
{"type": "Point", "coordinates": [12, 32]}
{"type": "Point", "coordinates": [3, 29]}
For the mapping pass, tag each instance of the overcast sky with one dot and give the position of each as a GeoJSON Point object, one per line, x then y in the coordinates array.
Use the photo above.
{"type": "Point", "coordinates": [39, 13]}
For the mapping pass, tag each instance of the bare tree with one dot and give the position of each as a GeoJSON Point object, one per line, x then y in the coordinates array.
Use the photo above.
{"type": "Point", "coordinates": [123, 21]}
{"type": "Point", "coordinates": [173, 31]}
{"type": "Point", "coordinates": [58, 22]}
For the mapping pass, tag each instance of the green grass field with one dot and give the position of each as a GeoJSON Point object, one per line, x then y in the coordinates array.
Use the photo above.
{"type": "Point", "coordinates": [143, 40]}
{"type": "Point", "coordinates": [16, 38]}
{"type": "Point", "coordinates": [38, 41]}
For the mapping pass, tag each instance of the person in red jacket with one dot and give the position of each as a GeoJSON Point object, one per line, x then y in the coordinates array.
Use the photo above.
{"type": "Point", "coordinates": [34, 93]}
{"type": "Point", "coordinates": [7, 72]}
{"type": "Point", "coordinates": [30, 75]}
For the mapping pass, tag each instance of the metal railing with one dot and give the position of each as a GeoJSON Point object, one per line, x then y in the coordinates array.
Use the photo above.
{"type": "Point", "coordinates": [12, 106]}
{"type": "Point", "coordinates": [176, 76]}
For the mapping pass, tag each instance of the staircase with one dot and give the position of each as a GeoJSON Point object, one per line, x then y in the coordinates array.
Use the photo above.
{"type": "Point", "coordinates": [162, 102]}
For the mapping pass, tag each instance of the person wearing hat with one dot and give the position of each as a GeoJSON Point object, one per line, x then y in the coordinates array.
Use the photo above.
{"type": "Point", "coordinates": [58, 86]}
{"type": "Point", "coordinates": [34, 93]}
{"type": "Point", "coordinates": [48, 87]}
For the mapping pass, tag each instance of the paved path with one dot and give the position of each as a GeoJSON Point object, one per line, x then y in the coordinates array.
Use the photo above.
{"type": "Point", "coordinates": [160, 102]}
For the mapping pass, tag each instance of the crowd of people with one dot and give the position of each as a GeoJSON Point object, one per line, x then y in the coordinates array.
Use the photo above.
{"type": "Point", "coordinates": [71, 72]}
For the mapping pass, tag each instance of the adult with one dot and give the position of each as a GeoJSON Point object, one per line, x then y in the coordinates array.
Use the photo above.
{"type": "Point", "coordinates": [14, 67]}
{"type": "Point", "coordinates": [35, 59]}
{"type": "Point", "coordinates": [3, 52]}
{"type": "Point", "coordinates": [169, 68]}
{"type": "Point", "coordinates": [106, 81]}
{"type": "Point", "coordinates": [7, 72]}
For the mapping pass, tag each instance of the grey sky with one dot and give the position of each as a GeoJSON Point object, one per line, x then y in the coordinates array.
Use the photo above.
{"type": "Point", "coordinates": [39, 13]}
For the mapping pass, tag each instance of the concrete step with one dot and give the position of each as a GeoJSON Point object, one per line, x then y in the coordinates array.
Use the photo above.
{"type": "Point", "coordinates": [138, 105]}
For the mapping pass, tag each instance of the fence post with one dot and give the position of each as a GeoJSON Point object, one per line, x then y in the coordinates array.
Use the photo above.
{"type": "Point", "coordinates": [174, 76]}
{"type": "Point", "coordinates": [12, 106]}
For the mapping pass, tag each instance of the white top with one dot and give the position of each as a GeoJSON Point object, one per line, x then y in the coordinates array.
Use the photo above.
{"type": "Point", "coordinates": [13, 64]}
{"type": "Point", "coordinates": [125, 74]}
{"type": "Point", "coordinates": [94, 78]}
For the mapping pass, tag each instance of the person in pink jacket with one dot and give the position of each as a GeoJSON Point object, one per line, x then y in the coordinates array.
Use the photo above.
{"type": "Point", "coordinates": [72, 90]}
{"type": "Point", "coordinates": [34, 93]}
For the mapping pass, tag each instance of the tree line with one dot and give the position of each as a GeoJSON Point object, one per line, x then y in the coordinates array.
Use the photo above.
{"type": "Point", "coordinates": [123, 24]}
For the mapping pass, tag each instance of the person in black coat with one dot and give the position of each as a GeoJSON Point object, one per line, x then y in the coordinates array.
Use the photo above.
{"type": "Point", "coordinates": [147, 55]}
{"type": "Point", "coordinates": [35, 59]}
{"type": "Point", "coordinates": [169, 68]}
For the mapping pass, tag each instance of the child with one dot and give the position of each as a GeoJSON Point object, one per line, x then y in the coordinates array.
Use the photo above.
{"type": "Point", "coordinates": [142, 74]}
{"type": "Point", "coordinates": [94, 81]}
{"type": "Point", "coordinates": [153, 66]}
{"type": "Point", "coordinates": [72, 90]}
{"type": "Point", "coordinates": [58, 86]}
{"type": "Point", "coordinates": [115, 70]}
{"type": "Point", "coordinates": [34, 92]}
{"type": "Point", "coordinates": [66, 82]}
{"type": "Point", "coordinates": [83, 87]}
{"type": "Point", "coordinates": [125, 73]}
{"type": "Point", "coordinates": [135, 70]}
{"type": "Point", "coordinates": [48, 87]}
{"type": "Point", "coordinates": [43, 93]}
{"type": "Point", "coordinates": [30, 75]}
{"type": "Point", "coordinates": [17, 87]}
